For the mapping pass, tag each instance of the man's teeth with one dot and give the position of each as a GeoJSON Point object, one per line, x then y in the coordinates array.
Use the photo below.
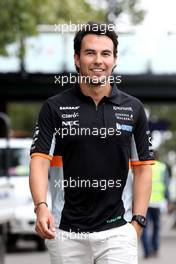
{"type": "Point", "coordinates": [97, 70]}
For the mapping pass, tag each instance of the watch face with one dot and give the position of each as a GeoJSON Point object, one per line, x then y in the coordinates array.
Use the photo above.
{"type": "Point", "coordinates": [143, 220]}
{"type": "Point", "coordinates": [140, 219]}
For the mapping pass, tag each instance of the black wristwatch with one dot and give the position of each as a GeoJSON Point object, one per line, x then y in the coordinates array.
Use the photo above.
{"type": "Point", "coordinates": [140, 219]}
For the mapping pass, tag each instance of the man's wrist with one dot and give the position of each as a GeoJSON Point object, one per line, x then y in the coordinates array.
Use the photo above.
{"type": "Point", "coordinates": [39, 205]}
{"type": "Point", "coordinates": [140, 220]}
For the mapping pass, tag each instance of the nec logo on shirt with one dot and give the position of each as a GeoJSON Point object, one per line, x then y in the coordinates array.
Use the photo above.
{"type": "Point", "coordinates": [127, 128]}
{"type": "Point", "coordinates": [70, 123]}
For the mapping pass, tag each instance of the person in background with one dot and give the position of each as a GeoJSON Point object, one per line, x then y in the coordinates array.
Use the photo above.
{"type": "Point", "coordinates": [158, 203]}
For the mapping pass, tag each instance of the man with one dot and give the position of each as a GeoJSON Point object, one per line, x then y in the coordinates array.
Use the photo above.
{"type": "Point", "coordinates": [92, 130]}
{"type": "Point", "coordinates": [158, 203]}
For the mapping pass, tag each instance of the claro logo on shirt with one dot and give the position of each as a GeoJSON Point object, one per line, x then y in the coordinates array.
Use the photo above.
{"type": "Point", "coordinates": [70, 123]}
{"type": "Point", "coordinates": [74, 115]}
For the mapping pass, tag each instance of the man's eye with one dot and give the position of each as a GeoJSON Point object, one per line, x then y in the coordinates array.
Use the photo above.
{"type": "Point", "coordinates": [106, 54]}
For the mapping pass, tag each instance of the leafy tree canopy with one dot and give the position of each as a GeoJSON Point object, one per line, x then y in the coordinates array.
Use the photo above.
{"type": "Point", "coordinates": [19, 19]}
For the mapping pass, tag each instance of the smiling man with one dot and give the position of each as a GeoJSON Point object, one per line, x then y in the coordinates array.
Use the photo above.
{"type": "Point", "coordinates": [96, 59]}
{"type": "Point", "coordinates": [88, 171]}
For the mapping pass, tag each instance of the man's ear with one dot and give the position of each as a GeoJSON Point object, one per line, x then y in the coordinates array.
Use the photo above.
{"type": "Point", "coordinates": [77, 60]}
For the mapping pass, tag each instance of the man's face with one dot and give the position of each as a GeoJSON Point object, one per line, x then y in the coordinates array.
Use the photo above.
{"type": "Point", "coordinates": [96, 58]}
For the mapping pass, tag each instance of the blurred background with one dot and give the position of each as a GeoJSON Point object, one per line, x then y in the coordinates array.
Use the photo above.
{"type": "Point", "coordinates": [36, 48]}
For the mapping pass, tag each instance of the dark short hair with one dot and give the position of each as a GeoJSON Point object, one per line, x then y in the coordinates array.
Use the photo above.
{"type": "Point", "coordinates": [96, 28]}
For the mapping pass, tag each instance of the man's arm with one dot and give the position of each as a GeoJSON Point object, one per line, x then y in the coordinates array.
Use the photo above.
{"type": "Point", "coordinates": [38, 181]}
{"type": "Point", "coordinates": [142, 185]}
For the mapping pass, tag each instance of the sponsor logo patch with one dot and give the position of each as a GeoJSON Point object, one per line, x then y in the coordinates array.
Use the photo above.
{"type": "Point", "coordinates": [70, 123]}
{"type": "Point", "coordinates": [124, 127]}
{"type": "Point", "coordinates": [123, 108]}
{"type": "Point", "coordinates": [74, 115]}
{"type": "Point", "coordinates": [122, 116]}
{"type": "Point", "coordinates": [69, 107]}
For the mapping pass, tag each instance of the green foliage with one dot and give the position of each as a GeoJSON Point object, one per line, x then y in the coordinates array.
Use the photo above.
{"type": "Point", "coordinates": [129, 7]}
{"type": "Point", "coordinates": [23, 116]}
{"type": "Point", "coordinates": [136, 14]}
{"type": "Point", "coordinates": [77, 11]}
{"type": "Point", "coordinates": [19, 18]}
{"type": "Point", "coordinates": [166, 112]}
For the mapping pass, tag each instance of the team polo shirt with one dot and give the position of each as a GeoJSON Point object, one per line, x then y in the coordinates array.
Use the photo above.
{"type": "Point", "coordinates": [90, 148]}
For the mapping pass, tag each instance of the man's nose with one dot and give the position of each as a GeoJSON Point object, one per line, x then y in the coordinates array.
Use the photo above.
{"type": "Point", "coordinates": [98, 59]}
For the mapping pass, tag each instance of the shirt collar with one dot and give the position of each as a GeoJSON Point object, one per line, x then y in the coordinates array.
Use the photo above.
{"type": "Point", "coordinates": [114, 97]}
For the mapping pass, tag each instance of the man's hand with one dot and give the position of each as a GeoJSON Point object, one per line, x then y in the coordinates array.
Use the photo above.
{"type": "Point", "coordinates": [138, 228]}
{"type": "Point", "coordinates": [45, 227]}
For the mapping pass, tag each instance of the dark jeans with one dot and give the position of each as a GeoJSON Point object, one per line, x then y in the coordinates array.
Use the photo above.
{"type": "Point", "coordinates": [151, 233]}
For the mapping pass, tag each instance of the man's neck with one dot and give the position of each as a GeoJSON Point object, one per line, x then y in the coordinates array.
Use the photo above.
{"type": "Point", "coordinates": [96, 92]}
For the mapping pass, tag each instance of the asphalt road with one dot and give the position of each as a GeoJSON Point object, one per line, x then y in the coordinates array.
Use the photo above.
{"type": "Point", "coordinates": [167, 254]}
{"type": "Point", "coordinates": [27, 258]}
{"type": "Point", "coordinates": [26, 253]}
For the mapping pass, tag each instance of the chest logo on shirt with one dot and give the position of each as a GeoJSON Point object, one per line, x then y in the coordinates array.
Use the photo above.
{"type": "Point", "coordinates": [123, 113]}
{"type": "Point", "coordinates": [69, 107]}
{"type": "Point", "coordinates": [122, 108]}
{"type": "Point", "coordinates": [124, 127]}
{"type": "Point", "coordinates": [124, 116]}
{"type": "Point", "coordinates": [70, 123]}
{"type": "Point", "coordinates": [74, 115]}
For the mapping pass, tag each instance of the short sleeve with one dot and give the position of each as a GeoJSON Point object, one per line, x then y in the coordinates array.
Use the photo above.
{"type": "Point", "coordinates": [44, 134]}
{"type": "Point", "coordinates": [141, 144]}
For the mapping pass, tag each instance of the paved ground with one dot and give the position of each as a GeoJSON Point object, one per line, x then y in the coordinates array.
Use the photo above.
{"type": "Point", "coordinates": [167, 253]}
